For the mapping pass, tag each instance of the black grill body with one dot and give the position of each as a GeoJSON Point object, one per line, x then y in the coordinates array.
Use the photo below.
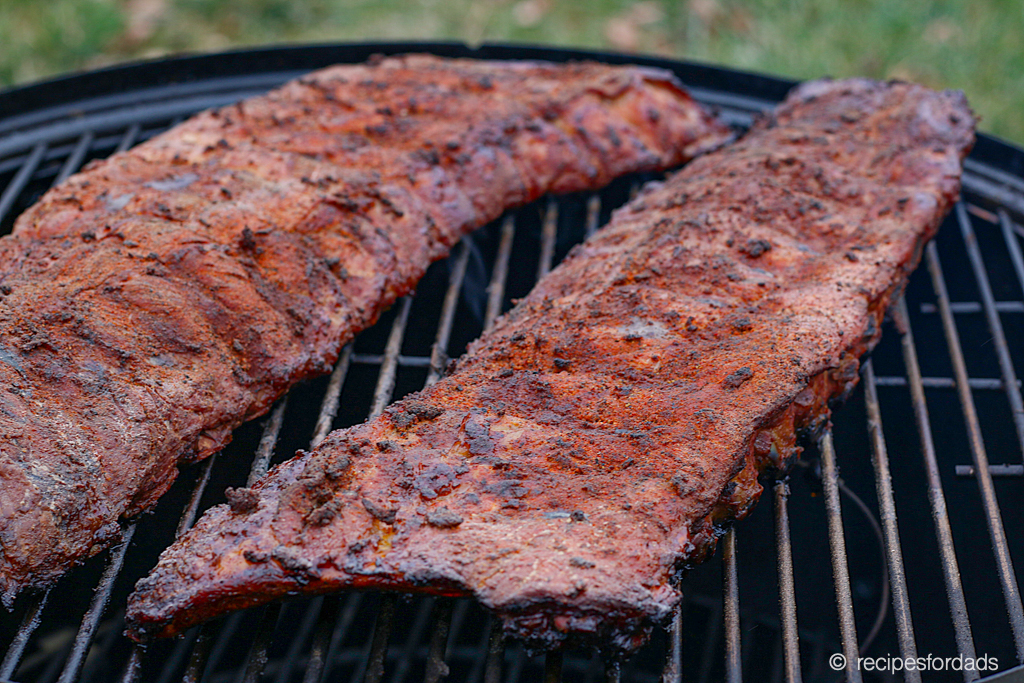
{"type": "Point", "coordinates": [824, 565]}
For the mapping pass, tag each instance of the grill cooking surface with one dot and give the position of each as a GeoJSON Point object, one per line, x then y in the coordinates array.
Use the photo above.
{"type": "Point", "coordinates": [823, 565]}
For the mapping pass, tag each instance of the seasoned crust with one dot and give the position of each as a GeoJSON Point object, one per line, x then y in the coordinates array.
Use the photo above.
{"type": "Point", "coordinates": [596, 440]}
{"type": "Point", "coordinates": [158, 299]}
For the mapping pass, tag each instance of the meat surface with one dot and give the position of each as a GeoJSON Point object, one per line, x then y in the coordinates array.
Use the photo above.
{"type": "Point", "coordinates": [155, 301]}
{"type": "Point", "coordinates": [594, 442]}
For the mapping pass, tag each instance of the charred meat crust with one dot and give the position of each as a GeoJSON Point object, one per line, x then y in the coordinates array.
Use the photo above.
{"type": "Point", "coordinates": [160, 298]}
{"type": "Point", "coordinates": [709, 322]}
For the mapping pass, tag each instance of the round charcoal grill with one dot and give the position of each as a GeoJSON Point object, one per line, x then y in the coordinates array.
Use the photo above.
{"type": "Point", "coordinates": [822, 566]}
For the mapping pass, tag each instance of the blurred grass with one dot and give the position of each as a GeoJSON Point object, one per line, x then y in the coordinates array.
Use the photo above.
{"type": "Point", "coordinates": [974, 45]}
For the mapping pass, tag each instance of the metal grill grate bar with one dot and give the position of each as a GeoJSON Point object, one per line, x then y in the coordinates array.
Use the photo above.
{"type": "Point", "coordinates": [995, 326]}
{"type": "Point", "coordinates": [188, 517]}
{"type": "Point", "coordinates": [994, 470]}
{"type": "Point", "coordinates": [460, 613]}
{"type": "Point", "coordinates": [441, 622]}
{"type": "Point", "coordinates": [496, 288]}
{"type": "Point", "coordinates": [133, 667]}
{"type": "Point", "coordinates": [1012, 246]}
{"type": "Point", "coordinates": [21, 179]}
{"type": "Point", "coordinates": [332, 398]}
{"type": "Point", "coordinates": [75, 159]}
{"type": "Point", "coordinates": [403, 361]}
{"type": "Point", "coordinates": [936, 497]}
{"type": "Point", "coordinates": [150, 113]}
{"type": "Point", "coordinates": [983, 383]}
{"type": "Point", "coordinates": [787, 587]}
{"type": "Point", "coordinates": [975, 168]}
{"type": "Point", "coordinates": [389, 366]}
{"type": "Point", "coordinates": [549, 230]}
{"type": "Point", "coordinates": [840, 570]}
{"type": "Point", "coordinates": [329, 608]}
{"type": "Point", "coordinates": [516, 669]}
{"type": "Point", "coordinates": [130, 136]}
{"type": "Point", "coordinates": [993, 518]}
{"type": "Point", "coordinates": [731, 609]}
{"type": "Point", "coordinates": [496, 293]}
{"type": "Point", "coordinates": [73, 664]}
{"type": "Point", "coordinates": [976, 307]}
{"type": "Point", "coordinates": [265, 449]}
{"type": "Point", "coordinates": [673, 671]}
{"type": "Point", "coordinates": [184, 651]}
{"type": "Point", "coordinates": [439, 351]}
{"type": "Point", "coordinates": [374, 662]}
{"type": "Point", "coordinates": [25, 630]}
{"type": "Point", "coordinates": [887, 508]}
{"type": "Point", "coordinates": [381, 398]}
{"type": "Point", "coordinates": [994, 191]}
{"type": "Point", "coordinates": [181, 651]}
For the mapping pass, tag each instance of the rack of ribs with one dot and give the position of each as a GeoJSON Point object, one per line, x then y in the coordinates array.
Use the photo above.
{"type": "Point", "coordinates": [594, 443]}
{"type": "Point", "coordinates": [155, 301]}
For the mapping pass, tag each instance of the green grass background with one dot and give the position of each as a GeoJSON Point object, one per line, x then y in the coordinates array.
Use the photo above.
{"type": "Point", "coordinates": [974, 45]}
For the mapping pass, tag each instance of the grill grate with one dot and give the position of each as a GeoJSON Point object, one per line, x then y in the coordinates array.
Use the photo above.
{"type": "Point", "coordinates": [972, 389]}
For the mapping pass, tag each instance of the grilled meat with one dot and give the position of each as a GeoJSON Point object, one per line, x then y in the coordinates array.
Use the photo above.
{"type": "Point", "coordinates": [155, 301]}
{"type": "Point", "coordinates": [592, 444]}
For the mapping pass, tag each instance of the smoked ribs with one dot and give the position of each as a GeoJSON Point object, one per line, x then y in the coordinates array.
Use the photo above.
{"type": "Point", "coordinates": [596, 440]}
{"type": "Point", "coordinates": [156, 300]}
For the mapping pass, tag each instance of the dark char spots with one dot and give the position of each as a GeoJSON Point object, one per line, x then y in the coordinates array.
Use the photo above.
{"type": "Point", "coordinates": [323, 515]}
{"type": "Point", "coordinates": [754, 248]}
{"type": "Point", "coordinates": [248, 240]}
{"type": "Point", "coordinates": [242, 499]}
{"type": "Point", "coordinates": [294, 562]}
{"type": "Point", "coordinates": [386, 515]}
{"type": "Point", "coordinates": [736, 379]}
{"type": "Point", "coordinates": [413, 411]}
{"type": "Point", "coordinates": [255, 556]}
{"type": "Point", "coordinates": [444, 518]}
